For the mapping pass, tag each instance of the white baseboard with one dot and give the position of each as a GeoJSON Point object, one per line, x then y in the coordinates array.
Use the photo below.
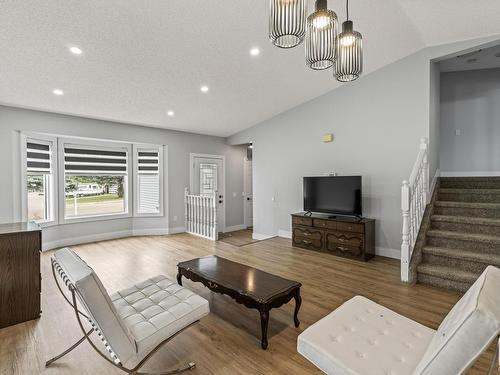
{"type": "Point", "coordinates": [260, 237]}
{"type": "Point", "coordinates": [470, 174]}
{"type": "Point", "coordinates": [85, 239]}
{"type": "Point", "coordinates": [108, 236]}
{"type": "Point", "coordinates": [177, 230]}
{"type": "Point", "coordinates": [150, 232]}
{"type": "Point", "coordinates": [285, 234]}
{"type": "Point", "coordinates": [388, 253]}
{"type": "Point", "coordinates": [234, 228]}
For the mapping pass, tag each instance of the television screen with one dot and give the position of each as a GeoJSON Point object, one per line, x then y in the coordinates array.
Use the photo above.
{"type": "Point", "coordinates": [339, 195]}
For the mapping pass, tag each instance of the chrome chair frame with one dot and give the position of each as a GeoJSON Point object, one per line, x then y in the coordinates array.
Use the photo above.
{"type": "Point", "coordinates": [115, 361]}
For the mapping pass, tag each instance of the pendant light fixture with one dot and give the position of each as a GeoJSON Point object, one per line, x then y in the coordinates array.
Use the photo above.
{"type": "Point", "coordinates": [321, 34]}
{"type": "Point", "coordinates": [349, 65]}
{"type": "Point", "coordinates": [287, 22]}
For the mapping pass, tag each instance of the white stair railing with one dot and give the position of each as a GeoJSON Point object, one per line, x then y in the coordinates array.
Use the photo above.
{"type": "Point", "coordinates": [201, 215]}
{"type": "Point", "coordinates": [414, 199]}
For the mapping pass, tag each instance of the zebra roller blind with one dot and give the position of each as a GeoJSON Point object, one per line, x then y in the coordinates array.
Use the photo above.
{"type": "Point", "coordinates": [82, 160]}
{"type": "Point", "coordinates": [148, 181]}
{"type": "Point", "coordinates": [38, 157]}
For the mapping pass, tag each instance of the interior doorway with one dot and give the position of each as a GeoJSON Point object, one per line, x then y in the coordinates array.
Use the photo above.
{"type": "Point", "coordinates": [207, 177]}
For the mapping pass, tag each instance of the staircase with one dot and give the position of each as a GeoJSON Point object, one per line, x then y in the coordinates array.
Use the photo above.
{"type": "Point", "coordinates": [464, 233]}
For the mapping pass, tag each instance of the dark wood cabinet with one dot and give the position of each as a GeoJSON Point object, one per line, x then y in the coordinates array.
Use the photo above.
{"type": "Point", "coordinates": [20, 278]}
{"type": "Point", "coordinates": [342, 236]}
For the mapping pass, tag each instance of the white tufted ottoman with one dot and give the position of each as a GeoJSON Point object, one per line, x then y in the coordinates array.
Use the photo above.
{"type": "Point", "coordinates": [363, 337]}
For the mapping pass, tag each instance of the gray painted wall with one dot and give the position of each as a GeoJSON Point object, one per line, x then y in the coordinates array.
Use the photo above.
{"type": "Point", "coordinates": [179, 144]}
{"type": "Point", "coordinates": [434, 118]}
{"type": "Point", "coordinates": [377, 121]}
{"type": "Point", "coordinates": [470, 101]}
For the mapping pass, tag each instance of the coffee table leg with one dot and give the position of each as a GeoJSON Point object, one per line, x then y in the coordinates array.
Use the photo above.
{"type": "Point", "coordinates": [298, 302]}
{"type": "Point", "coordinates": [264, 322]}
{"type": "Point", "coordinates": [179, 278]}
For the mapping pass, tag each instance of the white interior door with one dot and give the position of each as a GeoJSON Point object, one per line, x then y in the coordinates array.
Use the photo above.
{"type": "Point", "coordinates": [248, 193]}
{"type": "Point", "coordinates": [207, 176]}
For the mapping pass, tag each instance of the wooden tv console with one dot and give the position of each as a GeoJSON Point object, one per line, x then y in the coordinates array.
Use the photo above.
{"type": "Point", "coordinates": [343, 236]}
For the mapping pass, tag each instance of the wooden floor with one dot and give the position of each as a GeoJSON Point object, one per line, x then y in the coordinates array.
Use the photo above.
{"type": "Point", "coordinates": [227, 341]}
{"type": "Point", "coordinates": [238, 238]}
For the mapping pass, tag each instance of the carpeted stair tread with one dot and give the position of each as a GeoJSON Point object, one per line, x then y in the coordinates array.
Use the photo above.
{"type": "Point", "coordinates": [448, 273]}
{"type": "Point", "coordinates": [495, 206]}
{"type": "Point", "coordinates": [464, 236]}
{"type": "Point", "coordinates": [486, 258]}
{"type": "Point", "coordinates": [469, 191]}
{"type": "Point", "coordinates": [466, 220]}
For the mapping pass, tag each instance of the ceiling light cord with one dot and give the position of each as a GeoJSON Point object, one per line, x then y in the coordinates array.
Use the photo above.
{"type": "Point", "coordinates": [347, 9]}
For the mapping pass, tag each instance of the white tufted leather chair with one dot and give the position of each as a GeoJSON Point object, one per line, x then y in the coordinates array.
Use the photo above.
{"type": "Point", "coordinates": [132, 323]}
{"type": "Point", "coordinates": [363, 337]}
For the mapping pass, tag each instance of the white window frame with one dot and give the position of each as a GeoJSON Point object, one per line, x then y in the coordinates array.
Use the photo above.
{"type": "Point", "coordinates": [62, 179]}
{"type": "Point", "coordinates": [147, 147]}
{"type": "Point", "coordinates": [53, 189]}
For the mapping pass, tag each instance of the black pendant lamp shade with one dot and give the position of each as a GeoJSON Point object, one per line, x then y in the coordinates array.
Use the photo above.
{"type": "Point", "coordinates": [287, 22]}
{"type": "Point", "coordinates": [321, 34]}
{"type": "Point", "coordinates": [349, 65]}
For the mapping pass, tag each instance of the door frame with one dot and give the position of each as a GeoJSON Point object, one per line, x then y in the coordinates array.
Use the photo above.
{"type": "Point", "coordinates": [245, 206]}
{"type": "Point", "coordinates": [194, 155]}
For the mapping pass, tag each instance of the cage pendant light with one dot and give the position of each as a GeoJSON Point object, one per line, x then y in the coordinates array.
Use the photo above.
{"type": "Point", "coordinates": [287, 22]}
{"type": "Point", "coordinates": [321, 34]}
{"type": "Point", "coordinates": [349, 65]}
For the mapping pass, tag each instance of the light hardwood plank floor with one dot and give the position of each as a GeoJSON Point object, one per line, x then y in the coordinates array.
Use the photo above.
{"type": "Point", "coordinates": [227, 341]}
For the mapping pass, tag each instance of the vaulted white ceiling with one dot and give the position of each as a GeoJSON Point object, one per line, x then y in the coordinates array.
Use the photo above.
{"type": "Point", "coordinates": [142, 58]}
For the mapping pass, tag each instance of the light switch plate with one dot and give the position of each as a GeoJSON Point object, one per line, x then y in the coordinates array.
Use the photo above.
{"type": "Point", "coordinates": [327, 138]}
{"type": "Point", "coordinates": [458, 131]}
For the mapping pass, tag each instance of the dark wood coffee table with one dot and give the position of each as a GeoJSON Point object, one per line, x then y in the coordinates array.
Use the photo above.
{"type": "Point", "coordinates": [249, 286]}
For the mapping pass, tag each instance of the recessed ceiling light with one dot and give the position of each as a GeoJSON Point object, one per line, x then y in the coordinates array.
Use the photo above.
{"type": "Point", "coordinates": [204, 88]}
{"type": "Point", "coordinates": [171, 113]}
{"type": "Point", "coordinates": [255, 51]}
{"type": "Point", "coordinates": [58, 92]}
{"type": "Point", "coordinates": [75, 50]}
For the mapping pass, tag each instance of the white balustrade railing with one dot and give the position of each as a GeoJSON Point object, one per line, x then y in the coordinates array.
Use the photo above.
{"type": "Point", "coordinates": [201, 215]}
{"type": "Point", "coordinates": [414, 199]}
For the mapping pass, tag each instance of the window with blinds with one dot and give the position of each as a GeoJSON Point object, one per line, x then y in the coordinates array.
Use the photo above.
{"type": "Point", "coordinates": [38, 157]}
{"type": "Point", "coordinates": [148, 186]}
{"type": "Point", "coordinates": [39, 180]}
{"type": "Point", "coordinates": [78, 160]}
{"type": "Point", "coordinates": [95, 176]}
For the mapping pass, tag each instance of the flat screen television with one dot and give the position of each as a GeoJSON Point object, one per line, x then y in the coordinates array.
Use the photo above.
{"type": "Point", "coordinates": [335, 195]}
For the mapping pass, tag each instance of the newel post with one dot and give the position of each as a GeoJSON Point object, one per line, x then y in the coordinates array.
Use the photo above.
{"type": "Point", "coordinates": [405, 245]}
{"type": "Point", "coordinates": [215, 230]}
{"type": "Point", "coordinates": [186, 209]}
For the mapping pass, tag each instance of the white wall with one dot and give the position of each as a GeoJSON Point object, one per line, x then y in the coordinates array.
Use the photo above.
{"type": "Point", "coordinates": [470, 101]}
{"type": "Point", "coordinates": [377, 121]}
{"type": "Point", "coordinates": [179, 146]}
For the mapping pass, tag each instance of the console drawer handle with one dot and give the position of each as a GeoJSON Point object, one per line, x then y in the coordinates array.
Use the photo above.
{"type": "Point", "coordinates": [306, 234]}
{"type": "Point", "coordinates": [342, 248]}
{"type": "Point", "coordinates": [306, 242]}
{"type": "Point", "coordinates": [212, 285]}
